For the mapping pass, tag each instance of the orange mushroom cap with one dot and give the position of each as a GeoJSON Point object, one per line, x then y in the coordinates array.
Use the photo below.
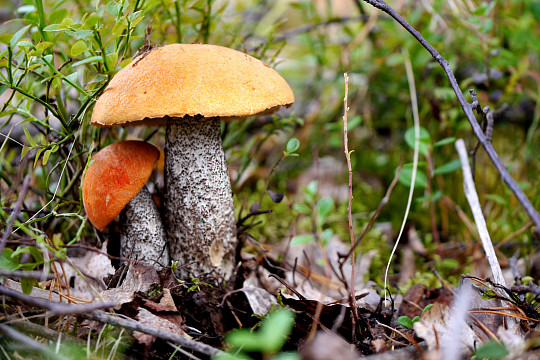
{"type": "Point", "coordinates": [118, 172]}
{"type": "Point", "coordinates": [180, 80]}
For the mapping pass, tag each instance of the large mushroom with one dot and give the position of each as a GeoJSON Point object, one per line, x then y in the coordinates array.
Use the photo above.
{"type": "Point", "coordinates": [115, 185]}
{"type": "Point", "coordinates": [191, 88]}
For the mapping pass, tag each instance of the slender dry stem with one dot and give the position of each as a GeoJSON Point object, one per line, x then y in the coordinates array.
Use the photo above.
{"type": "Point", "coordinates": [349, 209]}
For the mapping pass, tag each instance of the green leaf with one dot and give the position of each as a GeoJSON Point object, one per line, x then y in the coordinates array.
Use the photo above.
{"type": "Point", "coordinates": [39, 48]}
{"type": "Point", "coordinates": [58, 15]}
{"type": "Point", "coordinates": [36, 158]}
{"type": "Point", "coordinates": [118, 27]}
{"type": "Point", "coordinates": [445, 141]}
{"type": "Point", "coordinates": [287, 356]}
{"type": "Point", "coordinates": [88, 60]}
{"type": "Point", "coordinates": [405, 321]}
{"type": "Point", "coordinates": [324, 207]}
{"type": "Point", "coordinates": [25, 43]}
{"type": "Point", "coordinates": [91, 20]}
{"type": "Point", "coordinates": [302, 208]}
{"type": "Point", "coordinates": [327, 236]}
{"type": "Point", "coordinates": [405, 178]}
{"type": "Point", "coordinates": [491, 350]}
{"type": "Point", "coordinates": [26, 9]}
{"type": "Point", "coordinates": [311, 189]}
{"type": "Point", "coordinates": [52, 27]}
{"type": "Point", "coordinates": [111, 59]}
{"type": "Point", "coordinates": [7, 261]}
{"type": "Point", "coordinates": [112, 8]}
{"type": "Point", "coordinates": [24, 151]}
{"type": "Point", "coordinates": [292, 145]}
{"type": "Point", "coordinates": [27, 285]}
{"type": "Point", "coordinates": [423, 143]}
{"type": "Point", "coordinates": [448, 168]}
{"type": "Point", "coordinates": [3, 88]}
{"type": "Point", "coordinates": [275, 329]}
{"type": "Point", "coordinates": [497, 199]}
{"type": "Point", "coordinates": [37, 254]}
{"type": "Point", "coordinates": [302, 239]}
{"type": "Point", "coordinates": [78, 48]}
{"type": "Point", "coordinates": [17, 36]}
{"type": "Point", "coordinates": [46, 156]}
{"type": "Point", "coordinates": [245, 340]}
{"type": "Point", "coordinates": [73, 77]}
{"type": "Point", "coordinates": [29, 137]}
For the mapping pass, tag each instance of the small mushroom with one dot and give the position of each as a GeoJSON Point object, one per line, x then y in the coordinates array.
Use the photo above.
{"type": "Point", "coordinates": [115, 185]}
{"type": "Point", "coordinates": [191, 88]}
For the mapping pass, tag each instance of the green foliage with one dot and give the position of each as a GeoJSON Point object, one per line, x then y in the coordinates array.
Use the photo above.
{"type": "Point", "coordinates": [58, 56]}
{"type": "Point", "coordinates": [272, 334]}
{"type": "Point", "coordinates": [407, 322]}
{"type": "Point", "coordinates": [490, 351]}
{"type": "Point", "coordinates": [317, 209]}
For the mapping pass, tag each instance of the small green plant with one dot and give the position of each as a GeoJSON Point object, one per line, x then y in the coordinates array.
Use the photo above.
{"type": "Point", "coordinates": [407, 322]}
{"type": "Point", "coordinates": [318, 209]}
{"type": "Point", "coordinates": [426, 148]}
{"type": "Point", "coordinates": [194, 285]}
{"type": "Point", "coordinates": [268, 340]}
{"type": "Point", "coordinates": [491, 351]}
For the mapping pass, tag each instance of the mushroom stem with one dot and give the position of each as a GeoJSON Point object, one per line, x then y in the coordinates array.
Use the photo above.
{"type": "Point", "coordinates": [142, 234]}
{"type": "Point", "coordinates": [199, 208]}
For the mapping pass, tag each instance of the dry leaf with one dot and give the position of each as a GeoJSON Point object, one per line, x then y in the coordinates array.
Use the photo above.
{"type": "Point", "coordinates": [138, 279]}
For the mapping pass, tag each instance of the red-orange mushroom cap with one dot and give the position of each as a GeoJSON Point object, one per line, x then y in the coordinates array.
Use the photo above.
{"type": "Point", "coordinates": [116, 175]}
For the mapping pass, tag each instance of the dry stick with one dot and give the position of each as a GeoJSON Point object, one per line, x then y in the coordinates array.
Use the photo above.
{"type": "Point", "coordinates": [351, 231]}
{"type": "Point", "coordinates": [488, 147]}
{"type": "Point", "coordinates": [472, 198]}
{"type": "Point", "coordinates": [162, 334]}
{"type": "Point", "coordinates": [89, 312]}
{"type": "Point", "coordinates": [54, 308]}
{"type": "Point", "coordinates": [18, 274]}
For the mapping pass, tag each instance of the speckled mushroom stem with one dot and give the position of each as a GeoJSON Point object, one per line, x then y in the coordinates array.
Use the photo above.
{"type": "Point", "coordinates": [142, 234]}
{"type": "Point", "coordinates": [199, 208]}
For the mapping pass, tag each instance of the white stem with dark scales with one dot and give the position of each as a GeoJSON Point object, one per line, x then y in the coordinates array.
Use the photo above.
{"type": "Point", "coordinates": [142, 234]}
{"type": "Point", "coordinates": [199, 208]}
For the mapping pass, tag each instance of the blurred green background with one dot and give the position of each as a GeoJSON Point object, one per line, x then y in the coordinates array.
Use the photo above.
{"type": "Point", "coordinates": [57, 56]}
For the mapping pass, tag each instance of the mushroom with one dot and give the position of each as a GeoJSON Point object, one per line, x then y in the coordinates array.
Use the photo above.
{"type": "Point", "coordinates": [191, 88]}
{"type": "Point", "coordinates": [115, 185]}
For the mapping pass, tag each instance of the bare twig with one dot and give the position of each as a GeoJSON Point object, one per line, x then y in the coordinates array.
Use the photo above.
{"type": "Point", "coordinates": [349, 208]}
{"type": "Point", "coordinates": [472, 198]}
{"type": "Point", "coordinates": [17, 274]}
{"type": "Point", "coordinates": [54, 308]}
{"type": "Point", "coordinates": [131, 324]}
{"type": "Point", "coordinates": [488, 147]}
{"type": "Point", "coordinates": [310, 27]}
